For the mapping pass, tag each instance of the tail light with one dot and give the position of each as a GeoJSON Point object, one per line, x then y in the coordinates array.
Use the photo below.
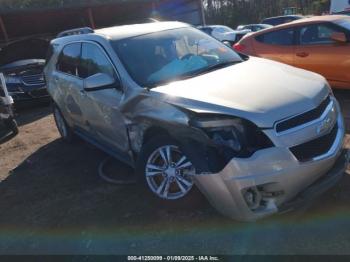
{"type": "Point", "coordinates": [239, 47]}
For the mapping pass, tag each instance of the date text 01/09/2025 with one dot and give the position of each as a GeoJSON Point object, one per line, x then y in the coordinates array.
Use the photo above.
{"type": "Point", "coordinates": [173, 258]}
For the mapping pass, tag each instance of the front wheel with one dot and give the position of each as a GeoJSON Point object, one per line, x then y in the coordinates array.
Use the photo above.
{"type": "Point", "coordinates": [166, 170]}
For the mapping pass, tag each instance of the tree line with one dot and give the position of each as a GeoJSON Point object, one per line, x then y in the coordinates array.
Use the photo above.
{"type": "Point", "coordinates": [228, 12]}
{"type": "Point", "coordinates": [235, 12]}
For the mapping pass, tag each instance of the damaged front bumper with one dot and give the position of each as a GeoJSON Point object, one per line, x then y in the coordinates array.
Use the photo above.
{"type": "Point", "coordinates": [273, 180]}
{"type": "Point", "coordinates": [281, 185]}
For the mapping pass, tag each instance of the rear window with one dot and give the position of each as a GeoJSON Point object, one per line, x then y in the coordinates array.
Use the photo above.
{"type": "Point", "coordinates": [281, 37]}
{"type": "Point", "coordinates": [273, 21]}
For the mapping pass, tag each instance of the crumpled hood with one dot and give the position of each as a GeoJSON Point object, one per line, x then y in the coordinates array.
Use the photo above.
{"type": "Point", "coordinates": [31, 48]}
{"type": "Point", "coordinates": [259, 90]}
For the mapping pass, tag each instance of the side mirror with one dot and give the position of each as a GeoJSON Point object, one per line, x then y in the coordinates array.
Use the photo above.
{"type": "Point", "coordinates": [100, 81]}
{"type": "Point", "coordinates": [339, 37]}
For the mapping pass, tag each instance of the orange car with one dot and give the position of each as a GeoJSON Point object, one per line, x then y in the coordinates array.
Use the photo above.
{"type": "Point", "coordinates": [319, 44]}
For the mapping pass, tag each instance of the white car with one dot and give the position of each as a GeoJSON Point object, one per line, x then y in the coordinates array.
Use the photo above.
{"type": "Point", "coordinates": [7, 122]}
{"type": "Point", "coordinates": [224, 33]}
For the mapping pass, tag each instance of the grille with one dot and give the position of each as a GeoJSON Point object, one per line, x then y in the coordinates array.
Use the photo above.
{"type": "Point", "coordinates": [31, 80]}
{"type": "Point", "coordinates": [317, 147]}
{"type": "Point", "coordinates": [303, 118]}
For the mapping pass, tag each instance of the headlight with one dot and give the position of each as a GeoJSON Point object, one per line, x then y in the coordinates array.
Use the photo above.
{"type": "Point", "coordinates": [235, 136]}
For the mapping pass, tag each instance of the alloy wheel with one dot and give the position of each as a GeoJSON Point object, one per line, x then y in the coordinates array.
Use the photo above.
{"type": "Point", "coordinates": [169, 173]}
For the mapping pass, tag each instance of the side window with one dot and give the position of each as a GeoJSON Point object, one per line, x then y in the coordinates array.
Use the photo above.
{"type": "Point", "coordinates": [317, 34]}
{"type": "Point", "coordinates": [94, 61]}
{"type": "Point", "coordinates": [69, 59]}
{"type": "Point", "coordinates": [207, 30]}
{"type": "Point", "coordinates": [288, 20]}
{"type": "Point", "coordinates": [281, 37]}
{"type": "Point", "coordinates": [276, 21]}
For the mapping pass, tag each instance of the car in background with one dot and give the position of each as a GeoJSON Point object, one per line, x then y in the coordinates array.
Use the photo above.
{"type": "Point", "coordinates": [8, 125]}
{"type": "Point", "coordinates": [340, 7]}
{"type": "Point", "coordinates": [253, 27]}
{"type": "Point", "coordinates": [319, 44]}
{"type": "Point", "coordinates": [224, 33]}
{"type": "Point", "coordinates": [22, 63]}
{"type": "Point", "coordinates": [184, 110]}
{"type": "Point", "coordinates": [278, 20]}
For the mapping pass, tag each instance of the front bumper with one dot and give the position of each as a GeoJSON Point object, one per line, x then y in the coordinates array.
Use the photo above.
{"type": "Point", "coordinates": [278, 180]}
{"type": "Point", "coordinates": [320, 186]}
{"type": "Point", "coordinates": [35, 94]}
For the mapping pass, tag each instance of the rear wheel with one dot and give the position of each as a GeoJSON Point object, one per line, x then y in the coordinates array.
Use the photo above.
{"type": "Point", "coordinates": [167, 172]}
{"type": "Point", "coordinates": [64, 130]}
{"type": "Point", "coordinates": [12, 125]}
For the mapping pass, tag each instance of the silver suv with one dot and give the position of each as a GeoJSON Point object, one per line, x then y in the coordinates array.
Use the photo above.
{"type": "Point", "coordinates": [256, 137]}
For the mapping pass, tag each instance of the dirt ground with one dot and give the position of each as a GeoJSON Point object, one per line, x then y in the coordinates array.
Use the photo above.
{"type": "Point", "coordinates": [53, 202]}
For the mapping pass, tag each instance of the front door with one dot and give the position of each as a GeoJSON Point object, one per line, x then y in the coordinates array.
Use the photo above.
{"type": "Point", "coordinates": [318, 53]}
{"type": "Point", "coordinates": [102, 107]}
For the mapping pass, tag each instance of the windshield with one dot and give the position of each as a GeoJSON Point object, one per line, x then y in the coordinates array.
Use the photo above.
{"type": "Point", "coordinates": [345, 23]}
{"type": "Point", "coordinates": [166, 56]}
{"type": "Point", "coordinates": [224, 29]}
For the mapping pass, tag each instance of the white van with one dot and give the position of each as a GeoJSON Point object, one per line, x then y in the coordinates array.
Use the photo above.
{"type": "Point", "coordinates": [340, 6]}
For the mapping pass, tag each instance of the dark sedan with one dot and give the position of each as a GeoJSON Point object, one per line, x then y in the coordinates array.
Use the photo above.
{"type": "Point", "coordinates": [22, 64]}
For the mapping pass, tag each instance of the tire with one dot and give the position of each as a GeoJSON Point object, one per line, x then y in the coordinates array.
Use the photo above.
{"type": "Point", "coordinates": [169, 181]}
{"type": "Point", "coordinates": [65, 131]}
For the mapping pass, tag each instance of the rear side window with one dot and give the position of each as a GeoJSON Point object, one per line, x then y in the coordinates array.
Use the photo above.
{"type": "Point", "coordinates": [281, 37]}
{"type": "Point", "coordinates": [68, 60]}
{"type": "Point", "coordinates": [94, 61]}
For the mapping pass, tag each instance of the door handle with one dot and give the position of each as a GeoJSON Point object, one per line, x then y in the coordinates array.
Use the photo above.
{"type": "Point", "coordinates": [303, 54]}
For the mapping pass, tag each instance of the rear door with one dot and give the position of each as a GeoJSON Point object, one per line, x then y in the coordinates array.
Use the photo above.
{"type": "Point", "coordinates": [276, 45]}
{"type": "Point", "coordinates": [317, 52]}
{"type": "Point", "coordinates": [69, 84]}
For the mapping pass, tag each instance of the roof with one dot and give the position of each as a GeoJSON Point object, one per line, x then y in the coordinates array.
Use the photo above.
{"type": "Point", "coordinates": [313, 19]}
{"type": "Point", "coordinates": [282, 16]}
{"type": "Point", "coordinates": [324, 18]}
{"type": "Point", "coordinates": [127, 31]}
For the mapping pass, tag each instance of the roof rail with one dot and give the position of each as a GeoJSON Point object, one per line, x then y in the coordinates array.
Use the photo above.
{"type": "Point", "coordinates": [76, 31]}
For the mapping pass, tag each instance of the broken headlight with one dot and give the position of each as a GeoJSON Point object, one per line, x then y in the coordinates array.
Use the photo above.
{"type": "Point", "coordinates": [233, 137]}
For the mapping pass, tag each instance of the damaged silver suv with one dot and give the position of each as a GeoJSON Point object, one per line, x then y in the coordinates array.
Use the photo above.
{"type": "Point", "coordinates": [256, 137]}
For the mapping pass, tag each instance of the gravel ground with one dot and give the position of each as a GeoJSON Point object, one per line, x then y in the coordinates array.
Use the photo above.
{"type": "Point", "coordinates": [53, 202]}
